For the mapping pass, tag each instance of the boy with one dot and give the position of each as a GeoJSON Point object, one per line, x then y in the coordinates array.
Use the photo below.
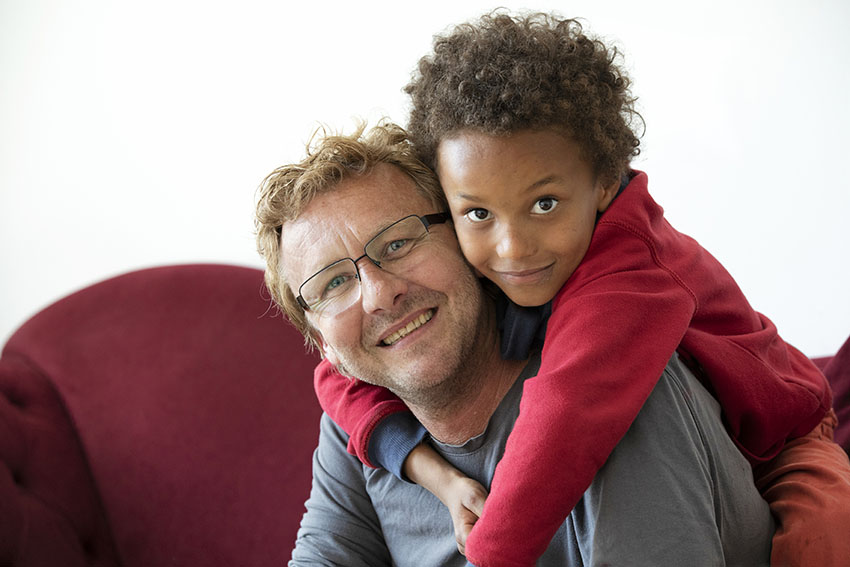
{"type": "Point", "coordinates": [527, 122]}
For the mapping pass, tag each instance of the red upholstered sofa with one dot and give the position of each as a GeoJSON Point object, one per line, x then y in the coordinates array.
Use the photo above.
{"type": "Point", "coordinates": [166, 418]}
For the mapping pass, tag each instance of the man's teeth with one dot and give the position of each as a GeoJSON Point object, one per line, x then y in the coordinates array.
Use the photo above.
{"type": "Point", "coordinates": [415, 324]}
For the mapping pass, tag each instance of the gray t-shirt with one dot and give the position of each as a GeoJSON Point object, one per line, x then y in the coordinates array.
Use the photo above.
{"type": "Point", "coordinates": [675, 491]}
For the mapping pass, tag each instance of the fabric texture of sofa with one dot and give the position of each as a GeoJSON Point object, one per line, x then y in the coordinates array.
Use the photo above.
{"type": "Point", "coordinates": [166, 417]}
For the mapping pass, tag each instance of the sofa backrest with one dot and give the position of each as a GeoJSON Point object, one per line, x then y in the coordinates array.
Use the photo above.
{"type": "Point", "coordinates": [163, 417]}
{"type": "Point", "coordinates": [167, 418]}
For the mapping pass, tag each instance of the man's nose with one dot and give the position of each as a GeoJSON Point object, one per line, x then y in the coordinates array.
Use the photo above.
{"type": "Point", "coordinates": [515, 242]}
{"type": "Point", "coordinates": [379, 289]}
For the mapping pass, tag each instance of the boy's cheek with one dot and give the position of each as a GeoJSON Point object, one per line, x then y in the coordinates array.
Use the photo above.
{"type": "Point", "coordinates": [473, 250]}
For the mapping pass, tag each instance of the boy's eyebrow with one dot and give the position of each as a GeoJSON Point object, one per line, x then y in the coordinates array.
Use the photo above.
{"type": "Point", "coordinates": [545, 181]}
{"type": "Point", "coordinates": [466, 196]}
{"type": "Point", "coordinates": [536, 185]}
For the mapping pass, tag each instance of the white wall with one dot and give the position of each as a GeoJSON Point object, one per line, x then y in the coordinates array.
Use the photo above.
{"type": "Point", "coordinates": [135, 134]}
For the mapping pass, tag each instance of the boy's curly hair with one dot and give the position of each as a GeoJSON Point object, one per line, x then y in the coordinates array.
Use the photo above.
{"type": "Point", "coordinates": [507, 73]}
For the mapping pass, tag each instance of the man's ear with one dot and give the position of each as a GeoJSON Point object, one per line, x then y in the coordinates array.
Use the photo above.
{"type": "Point", "coordinates": [607, 192]}
{"type": "Point", "coordinates": [328, 352]}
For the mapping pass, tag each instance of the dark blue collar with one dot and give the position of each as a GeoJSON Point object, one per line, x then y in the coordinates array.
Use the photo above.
{"type": "Point", "coordinates": [522, 328]}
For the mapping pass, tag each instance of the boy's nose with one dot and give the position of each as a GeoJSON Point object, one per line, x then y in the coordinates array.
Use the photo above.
{"type": "Point", "coordinates": [514, 244]}
{"type": "Point", "coordinates": [379, 288]}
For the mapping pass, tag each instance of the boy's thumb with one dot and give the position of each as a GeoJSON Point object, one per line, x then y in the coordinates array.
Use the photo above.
{"type": "Point", "coordinates": [475, 501]}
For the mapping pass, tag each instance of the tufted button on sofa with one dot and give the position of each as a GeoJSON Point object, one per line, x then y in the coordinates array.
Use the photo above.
{"type": "Point", "coordinates": [163, 417]}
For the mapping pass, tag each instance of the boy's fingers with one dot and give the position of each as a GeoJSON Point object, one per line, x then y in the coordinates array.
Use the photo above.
{"type": "Point", "coordinates": [474, 499]}
{"type": "Point", "coordinates": [463, 526]}
{"type": "Point", "coordinates": [476, 506]}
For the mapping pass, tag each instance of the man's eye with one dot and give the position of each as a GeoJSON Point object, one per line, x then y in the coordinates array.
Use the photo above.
{"type": "Point", "coordinates": [397, 249]}
{"type": "Point", "coordinates": [336, 282]}
{"type": "Point", "coordinates": [544, 205]}
{"type": "Point", "coordinates": [477, 215]}
{"type": "Point", "coordinates": [395, 246]}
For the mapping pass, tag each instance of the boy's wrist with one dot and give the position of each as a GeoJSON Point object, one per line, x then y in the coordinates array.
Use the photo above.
{"type": "Point", "coordinates": [392, 441]}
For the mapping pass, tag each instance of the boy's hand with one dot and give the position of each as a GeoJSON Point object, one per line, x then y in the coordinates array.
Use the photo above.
{"type": "Point", "coordinates": [464, 498]}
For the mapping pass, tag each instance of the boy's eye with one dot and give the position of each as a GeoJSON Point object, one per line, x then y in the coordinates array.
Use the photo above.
{"type": "Point", "coordinates": [477, 215]}
{"type": "Point", "coordinates": [544, 205]}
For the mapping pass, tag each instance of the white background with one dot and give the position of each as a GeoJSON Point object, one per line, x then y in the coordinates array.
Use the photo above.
{"type": "Point", "coordinates": [134, 134]}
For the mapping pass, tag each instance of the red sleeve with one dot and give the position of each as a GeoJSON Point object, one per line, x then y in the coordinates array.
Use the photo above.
{"type": "Point", "coordinates": [613, 329]}
{"type": "Point", "coordinates": [354, 405]}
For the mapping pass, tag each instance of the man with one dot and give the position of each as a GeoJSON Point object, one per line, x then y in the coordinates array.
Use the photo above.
{"type": "Point", "coordinates": [354, 232]}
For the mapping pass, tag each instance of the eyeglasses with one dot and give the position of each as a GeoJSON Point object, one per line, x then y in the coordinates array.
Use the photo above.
{"type": "Point", "coordinates": [336, 287]}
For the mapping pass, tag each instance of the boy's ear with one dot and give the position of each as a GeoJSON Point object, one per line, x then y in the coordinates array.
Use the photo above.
{"type": "Point", "coordinates": [607, 192]}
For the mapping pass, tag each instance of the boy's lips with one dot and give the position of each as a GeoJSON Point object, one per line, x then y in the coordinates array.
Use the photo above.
{"type": "Point", "coordinates": [404, 329]}
{"type": "Point", "coordinates": [525, 277]}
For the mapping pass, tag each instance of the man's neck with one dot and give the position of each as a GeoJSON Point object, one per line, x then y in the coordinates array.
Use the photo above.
{"type": "Point", "coordinates": [467, 415]}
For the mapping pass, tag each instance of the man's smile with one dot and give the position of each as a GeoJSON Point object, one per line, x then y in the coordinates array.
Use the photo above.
{"type": "Point", "coordinates": [411, 326]}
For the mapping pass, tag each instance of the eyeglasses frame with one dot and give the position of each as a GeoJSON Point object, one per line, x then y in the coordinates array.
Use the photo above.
{"type": "Point", "coordinates": [427, 221]}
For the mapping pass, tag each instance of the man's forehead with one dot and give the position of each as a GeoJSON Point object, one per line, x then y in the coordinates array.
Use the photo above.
{"type": "Point", "coordinates": [365, 203]}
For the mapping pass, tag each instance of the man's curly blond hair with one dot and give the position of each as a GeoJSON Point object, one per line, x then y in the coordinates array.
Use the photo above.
{"type": "Point", "coordinates": [286, 192]}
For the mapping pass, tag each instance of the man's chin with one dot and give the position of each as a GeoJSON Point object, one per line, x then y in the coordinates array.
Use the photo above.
{"type": "Point", "coordinates": [412, 381]}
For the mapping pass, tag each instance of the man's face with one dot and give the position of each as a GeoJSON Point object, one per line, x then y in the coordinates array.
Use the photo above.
{"type": "Point", "coordinates": [430, 313]}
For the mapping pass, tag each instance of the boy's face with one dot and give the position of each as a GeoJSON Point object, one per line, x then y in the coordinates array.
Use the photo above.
{"type": "Point", "coordinates": [524, 207]}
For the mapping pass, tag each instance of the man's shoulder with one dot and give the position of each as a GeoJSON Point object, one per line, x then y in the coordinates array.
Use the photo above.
{"type": "Point", "coordinates": [333, 444]}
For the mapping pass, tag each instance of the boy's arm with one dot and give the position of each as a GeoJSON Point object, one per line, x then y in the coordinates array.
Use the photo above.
{"type": "Point", "coordinates": [359, 408]}
{"type": "Point", "coordinates": [613, 328]}
{"type": "Point", "coordinates": [384, 434]}
{"type": "Point", "coordinates": [463, 496]}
